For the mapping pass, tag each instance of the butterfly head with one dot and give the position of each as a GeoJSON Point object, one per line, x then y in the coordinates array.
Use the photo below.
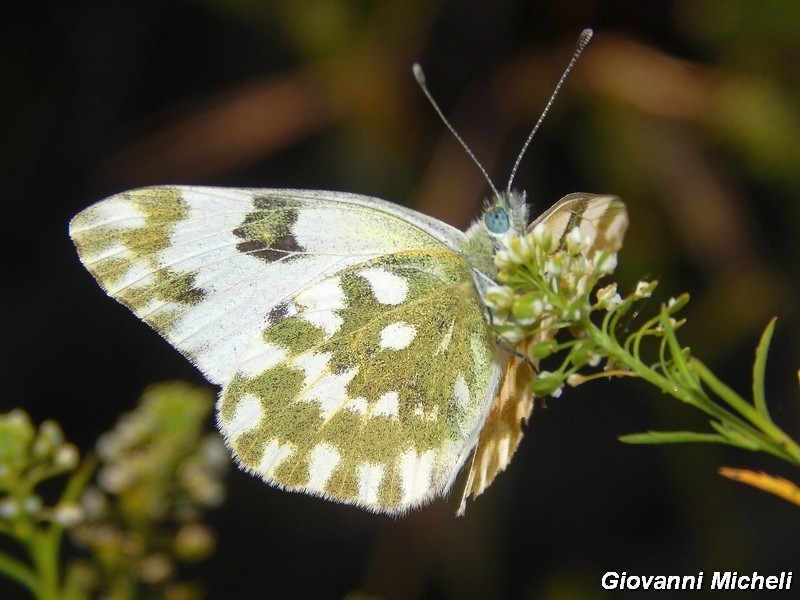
{"type": "Point", "coordinates": [507, 213]}
{"type": "Point", "coordinates": [504, 216]}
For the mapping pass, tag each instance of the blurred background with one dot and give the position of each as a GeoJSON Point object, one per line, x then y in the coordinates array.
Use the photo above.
{"type": "Point", "coordinates": [688, 109]}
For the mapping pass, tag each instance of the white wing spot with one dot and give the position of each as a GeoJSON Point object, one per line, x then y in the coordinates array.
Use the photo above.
{"type": "Point", "coordinates": [388, 405]}
{"type": "Point", "coordinates": [247, 415]}
{"type": "Point", "coordinates": [357, 405]}
{"type": "Point", "coordinates": [119, 213]}
{"type": "Point", "coordinates": [313, 365]}
{"type": "Point", "coordinates": [369, 480]}
{"type": "Point", "coordinates": [260, 356]}
{"type": "Point", "coordinates": [461, 391]}
{"type": "Point", "coordinates": [325, 295]}
{"type": "Point", "coordinates": [387, 287]}
{"type": "Point", "coordinates": [397, 336]}
{"type": "Point", "coordinates": [320, 302]}
{"type": "Point", "coordinates": [323, 387]}
{"type": "Point", "coordinates": [274, 454]}
{"type": "Point", "coordinates": [323, 461]}
{"type": "Point", "coordinates": [415, 475]}
{"type": "Point", "coordinates": [327, 320]}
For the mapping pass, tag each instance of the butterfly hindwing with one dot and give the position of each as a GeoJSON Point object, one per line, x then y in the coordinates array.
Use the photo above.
{"type": "Point", "coordinates": [371, 386]}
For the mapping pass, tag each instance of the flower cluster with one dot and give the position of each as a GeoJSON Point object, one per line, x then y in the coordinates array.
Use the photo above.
{"type": "Point", "coordinates": [542, 305]}
{"type": "Point", "coordinates": [28, 457]}
{"type": "Point", "coordinates": [157, 473]}
{"type": "Point", "coordinates": [546, 283]}
{"type": "Point", "coordinates": [544, 288]}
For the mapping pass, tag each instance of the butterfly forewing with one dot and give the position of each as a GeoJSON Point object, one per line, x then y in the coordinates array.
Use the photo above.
{"type": "Point", "coordinates": [600, 218]}
{"type": "Point", "coordinates": [205, 266]}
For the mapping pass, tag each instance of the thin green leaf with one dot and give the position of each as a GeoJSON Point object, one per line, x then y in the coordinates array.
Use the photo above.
{"type": "Point", "coordinates": [760, 367]}
{"type": "Point", "coordinates": [740, 438]}
{"type": "Point", "coordinates": [671, 437]}
{"type": "Point", "coordinates": [18, 571]}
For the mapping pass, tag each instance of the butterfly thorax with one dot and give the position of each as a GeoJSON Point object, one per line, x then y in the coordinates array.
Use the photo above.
{"type": "Point", "coordinates": [505, 215]}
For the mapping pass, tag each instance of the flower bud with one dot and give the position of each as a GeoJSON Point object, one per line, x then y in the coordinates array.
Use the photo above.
{"type": "Point", "coordinates": [544, 349]}
{"type": "Point", "coordinates": [68, 514]}
{"type": "Point", "coordinates": [574, 239]}
{"type": "Point", "coordinates": [527, 309]}
{"type": "Point", "coordinates": [543, 238]}
{"type": "Point", "coordinates": [605, 262]}
{"type": "Point", "coordinates": [644, 289]}
{"type": "Point", "coordinates": [499, 297]}
{"type": "Point", "coordinates": [520, 250]}
{"type": "Point", "coordinates": [547, 384]}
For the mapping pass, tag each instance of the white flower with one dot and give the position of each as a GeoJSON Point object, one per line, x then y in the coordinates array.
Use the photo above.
{"type": "Point", "coordinates": [643, 289]}
{"type": "Point", "coordinates": [608, 297]}
{"type": "Point", "coordinates": [520, 249]}
{"type": "Point", "coordinates": [605, 262]}
{"type": "Point", "coordinates": [574, 239]}
{"type": "Point", "coordinates": [542, 238]}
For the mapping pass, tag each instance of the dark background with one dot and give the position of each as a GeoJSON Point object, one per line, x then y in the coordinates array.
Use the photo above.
{"type": "Point", "coordinates": [689, 110]}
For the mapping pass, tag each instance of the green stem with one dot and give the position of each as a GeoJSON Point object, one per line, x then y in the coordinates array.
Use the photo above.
{"type": "Point", "coordinates": [44, 550]}
{"type": "Point", "coordinates": [19, 572]}
{"type": "Point", "coordinates": [687, 389]}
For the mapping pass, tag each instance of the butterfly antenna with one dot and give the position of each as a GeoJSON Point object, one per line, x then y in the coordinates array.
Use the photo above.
{"type": "Point", "coordinates": [420, 77]}
{"type": "Point", "coordinates": [583, 40]}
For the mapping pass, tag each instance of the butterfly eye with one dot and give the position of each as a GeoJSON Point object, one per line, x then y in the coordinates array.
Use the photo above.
{"type": "Point", "coordinates": [496, 220]}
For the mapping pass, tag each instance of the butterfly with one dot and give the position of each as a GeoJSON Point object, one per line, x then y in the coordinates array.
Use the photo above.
{"type": "Point", "coordinates": [348, 334]}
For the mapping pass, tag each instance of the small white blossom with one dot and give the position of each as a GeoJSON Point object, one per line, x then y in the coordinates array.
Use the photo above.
{"type": "Point", "coordinates": [520, 250]}
{"type": "Point", "coordinates": [643, 289]}
{"type": "Point", "coordinates": [554, 266]}
{"type": "Point", "coordinates": [502, 259]}
{"type": "Point", "coordinates": [511, 333]}
{"type": "Point", "coordinates": [66, 457]}
{"type": "Point", "coordinates": [605, 262]}
{"type": "Point", "coordinates": [499, 297]}
{"type": "Point", "coordinates": [542, 238]}
{"type": "Point", "coordinates": [608, 297]}
{"type": "Point", "coordinates": [68, 515]}
{"type": "Point", "coordinates": [574, 239]}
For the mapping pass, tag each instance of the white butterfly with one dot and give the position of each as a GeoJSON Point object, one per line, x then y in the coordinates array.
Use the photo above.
{"type": "Point", "coordinates": [348, 334]}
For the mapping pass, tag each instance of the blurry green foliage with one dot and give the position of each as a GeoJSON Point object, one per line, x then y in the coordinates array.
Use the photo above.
{"type": "Point", "coordinates": [158, 472]}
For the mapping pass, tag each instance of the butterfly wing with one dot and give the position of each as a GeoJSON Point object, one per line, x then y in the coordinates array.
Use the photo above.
{"type": "Point", "coordinates": [346, 332]}
{"type": "Point", "coordinates": [600, 218]}
{"type": "Point", "coordinates": [372, 386]}
{"type": "Point", "coordinates": [502, 432]}
{"type": "Point", "coordinates": [205, 266]}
